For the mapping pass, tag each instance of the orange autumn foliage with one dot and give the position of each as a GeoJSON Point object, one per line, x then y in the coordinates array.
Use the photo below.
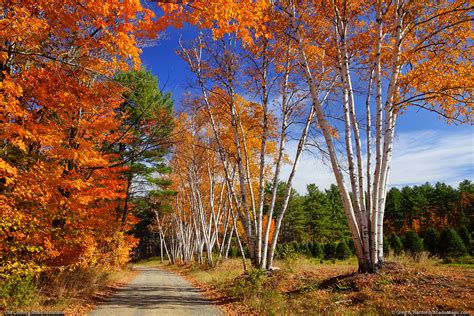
{"type": "Point", "coordinates": [58, 191]}
{"type": "Point", "coordinates": [245, 18]}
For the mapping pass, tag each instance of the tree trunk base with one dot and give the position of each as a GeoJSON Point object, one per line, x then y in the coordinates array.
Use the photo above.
{"type": "Point", "coordinates": [368, 267]}
{"type": "Point", "coordinates": [273, 269]}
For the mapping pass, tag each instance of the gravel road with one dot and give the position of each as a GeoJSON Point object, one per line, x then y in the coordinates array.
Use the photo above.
{"type": "Point", "coordinates": [156, 292]}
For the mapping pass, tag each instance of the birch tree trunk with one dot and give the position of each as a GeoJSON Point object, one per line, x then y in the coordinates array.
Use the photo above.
{"type": "Point", "coordinates": [195, 61]}
{"type": "Point", "coordinates": [365, 216]}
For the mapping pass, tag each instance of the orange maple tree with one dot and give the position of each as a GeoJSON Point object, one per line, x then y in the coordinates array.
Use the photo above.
{"type": "Point", "coordinates": [59, 185]}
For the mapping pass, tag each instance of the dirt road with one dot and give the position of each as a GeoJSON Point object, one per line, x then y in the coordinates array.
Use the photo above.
{"type": "Point", "coordinates": [156, 292]}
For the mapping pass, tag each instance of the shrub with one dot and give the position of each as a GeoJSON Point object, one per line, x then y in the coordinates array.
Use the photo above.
{"type": "Point", "coordinates": [350, 244]}
{"type": "Point", "coordinates": [329, 250]}
{"type": "Point", "coordinates": [463, 232]}
{"type": "Point", "coordinates": [17, 291]}
{"type": "Point", "coordinates": [233, 252]}
{"type": "Point", "coordinates": [466, 238]}
{"type": "Point", "coordinates": [250, 285]}
{"type": "Point", "coordinates": [342, 250]}
{"type": "Point", "coordinates": [431, 240]}
{"type": "Point", "coordinates": [316, 250]}
{"type": "Point", "coordinates": [289, 256]}
{"type": "Point", "coordinates": [413, 244]}
{"type": "Point", "coordinates": [306, 249]}
{"type": "Point", "coordinates": [386, 246]}
{"type": "Point", "coordinates": [396, 244]}
{"type": "Point", "coordinates": [294, 244]}
{"type": "Point", "coordinates": [69, 283]}
{"type": "Point", "coordinates": [278, 251]}
{"type": "Point", "coordinates": [450, 244]}
{"type": "Point", "coordinates": [246, 252]}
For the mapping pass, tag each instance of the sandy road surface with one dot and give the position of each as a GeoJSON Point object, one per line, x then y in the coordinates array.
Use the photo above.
{"type": "Point", "coordinates": [156, 292]}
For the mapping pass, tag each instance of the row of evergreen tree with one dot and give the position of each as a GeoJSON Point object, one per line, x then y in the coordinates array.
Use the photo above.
{"type": "Point", "coordinates": [326, 251]}
{"type": "Point", "coordinates": [445, 244]}
{"type": "Point", "coordinates": [421, 207]}
{"type": "Point", "coordinates": [427, 212]}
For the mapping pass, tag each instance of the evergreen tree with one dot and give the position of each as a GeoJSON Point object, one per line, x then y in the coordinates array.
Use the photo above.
{"type": "Point", "coordinates": [450, 244]}
{"type": "Point", "coordinates": [317, 213]}
{"type": "Point", "coordinates": [412, 243]}
{"type": "Point", "coordinates": [317, 216]}
{"type": "Point", "coordinates": [407, 204]}
{"type": "Point", "coordinates": [342, 250]}
{"type": "Point", "coordinates": [421, 207]}
{"type": "Point", "coordinates": [396, 244]}
{"type": "Point", "coordinates": [147, 116]}
{"type": "Point", "coordinates": [294, 225]}
{"type": "Point", "coordinates": [393, 210]}
{"type": "Point", "coordinates": [330, 250]}
{"type": "Point", "coordinates": [466, 238]}
{"type": "Point", "coordinates": [443, 199]}
{"type": "Point", "coordinates": [431, 240]}
{"type": "Point", "coordinates": [337, 220]}
{"type": "Point", "coordinates": [466, 204]}
{"type": "Point", "coordinates": [316, 250]}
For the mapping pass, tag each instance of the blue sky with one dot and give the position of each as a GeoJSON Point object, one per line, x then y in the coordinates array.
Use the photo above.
{"type": "Point", "coordinates": [426, 147]}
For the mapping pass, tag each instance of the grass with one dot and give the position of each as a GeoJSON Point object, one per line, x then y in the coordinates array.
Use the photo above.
{"type": "Point", "coordinates": [73, 292]}
{"type": "Point", "coordinates": [311, 287]}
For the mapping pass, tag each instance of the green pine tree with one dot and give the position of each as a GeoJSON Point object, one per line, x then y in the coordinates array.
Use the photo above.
{"type": "Point", "coordinates": [412, 243]}
{"type": "Point", "coordinates": [330, 250]}
{"type": "Point", "coordinates": [396, 244]}
{"type": "Point", "coordinates": [450, 244]}
{"type": "Point", "coordinates": [466, 238]}
{"type": "Point", "coordinates": [342, 250]}
{"type": "Point", "coordinates": [147, 123]}
{"type": "Point", "coordinates": [431, 240]}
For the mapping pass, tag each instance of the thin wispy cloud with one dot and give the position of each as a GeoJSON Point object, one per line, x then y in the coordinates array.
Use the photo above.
{"type": "Point", "coordinates": [418, 157]}
{"type": "Point", "coordinates": [431, 156]}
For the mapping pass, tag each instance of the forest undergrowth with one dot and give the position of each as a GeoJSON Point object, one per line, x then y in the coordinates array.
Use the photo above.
{"type": "Point", "coordinates": [73, 292]}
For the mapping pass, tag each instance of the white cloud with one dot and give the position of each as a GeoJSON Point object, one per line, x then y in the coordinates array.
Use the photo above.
{"type": "Point", "coordinates": [432, 156]}
{"type": "Point", "coordinates": [311, 169]}
{"type": "Point", "coordinates": [418, 157]}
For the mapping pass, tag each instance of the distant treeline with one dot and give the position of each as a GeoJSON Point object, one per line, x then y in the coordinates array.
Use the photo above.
{"type": "Point", "coordinates": [447, 244]}
{"type": "Point", "coordinates": [318, 216]}
{"type": "Point", "coordinates": [426, 206]}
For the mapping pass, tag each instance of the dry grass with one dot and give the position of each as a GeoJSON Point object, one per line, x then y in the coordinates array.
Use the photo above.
{"type": "Point", "coordinates": [312, 287]}
{"type": "Point", "coordinates": [74, 292]}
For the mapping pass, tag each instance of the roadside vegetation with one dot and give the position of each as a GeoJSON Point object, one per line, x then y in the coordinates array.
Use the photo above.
{"type": "Point", "coordinates": [430, 271]}
{"type": "Point", "coordinates": [309, 286]}
{"type": "Point", "coordinates": [73, 291]}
